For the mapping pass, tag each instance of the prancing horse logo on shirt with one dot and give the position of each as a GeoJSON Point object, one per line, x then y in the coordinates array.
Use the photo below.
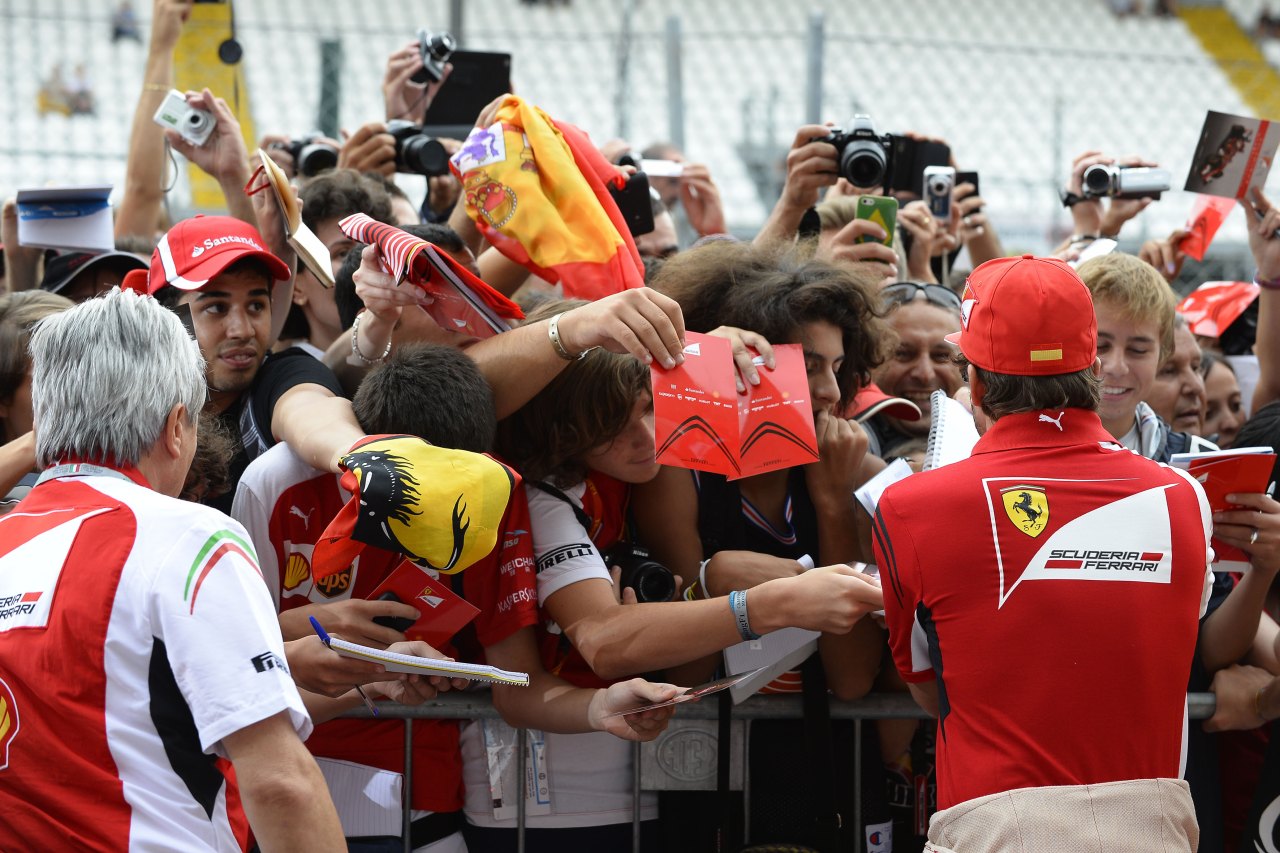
{"type": "Point", "coordinates": [8, 722]}
{"type": "Point", "coordinates": [1027, 507]}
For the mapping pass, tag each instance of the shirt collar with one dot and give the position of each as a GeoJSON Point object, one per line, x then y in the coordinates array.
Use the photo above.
{"type": "Point", "coordinates": [1044, 428]}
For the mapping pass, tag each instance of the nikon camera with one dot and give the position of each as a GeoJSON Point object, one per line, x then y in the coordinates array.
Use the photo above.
{"type": "Point", "coordinates": [417, 153]}
{"type": "Point", "coordinates": [651, 580]}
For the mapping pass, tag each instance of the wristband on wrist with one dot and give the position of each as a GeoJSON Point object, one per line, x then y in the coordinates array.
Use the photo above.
{"type": "Point", "coordinates": [1266, 283]}
{"type": "Point", "coordinates": [355, 345]}
{"type": "Point", "coordinates": [738, 604]}
{"type": "Point", "coordinates": [1070, 199]}
{"type": "Point", "coordinates": [702, 579]}
{"type": "Point", "coordinates": [1083, 238]}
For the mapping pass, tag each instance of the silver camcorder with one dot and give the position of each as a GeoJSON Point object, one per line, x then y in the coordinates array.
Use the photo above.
{"type": "Point", "coordinates": [193, 124]}
{"type": "Point", "coordinates": [1125, 181]}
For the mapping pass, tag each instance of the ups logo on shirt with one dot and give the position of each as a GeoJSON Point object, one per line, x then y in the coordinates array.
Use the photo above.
{"type": "Point", "coordinates": [1027, 507]}
{"type": "Point", "coordinates": [334, 584]}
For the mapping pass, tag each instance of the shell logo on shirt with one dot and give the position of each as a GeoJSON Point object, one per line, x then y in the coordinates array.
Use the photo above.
{"type": "Point", "coordinates": [296, 570]}
{"type": "Point", "coordinates": [8, 722]}
{"type": "Point", "coordinates": [1027, 507]}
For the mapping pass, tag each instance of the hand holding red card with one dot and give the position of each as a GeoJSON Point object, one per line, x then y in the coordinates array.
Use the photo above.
{"type": "Point", "coordinates": [443, 612]}
{"type": "Point", "coordinates": [702, 422]}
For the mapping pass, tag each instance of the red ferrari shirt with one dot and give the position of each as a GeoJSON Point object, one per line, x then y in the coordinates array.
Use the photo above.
{"type": "Point", "coordinates": [1050, 586]}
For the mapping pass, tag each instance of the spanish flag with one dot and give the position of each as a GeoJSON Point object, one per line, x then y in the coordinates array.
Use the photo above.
{"type": "Point", "coordinates": [538, 191]}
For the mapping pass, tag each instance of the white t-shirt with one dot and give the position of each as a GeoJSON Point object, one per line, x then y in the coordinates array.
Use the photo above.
{"type": "Point", "coordinates": [589, 775]}
{"type": "Point", "coordinates": [136, 634]}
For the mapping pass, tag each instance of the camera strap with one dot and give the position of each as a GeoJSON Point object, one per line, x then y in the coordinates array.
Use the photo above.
{"type": "Point", "coordinates": [578, 512]}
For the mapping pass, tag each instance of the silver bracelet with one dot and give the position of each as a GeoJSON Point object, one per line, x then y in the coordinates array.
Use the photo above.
{"type": "Point", "coordinates": [702, 579]}
{"type": "Point", "coordinates": [738, 603]}
{"type": "Point", "coordinates": [355, 345]}
{"type": "Point", "coordinates": [553, 332]}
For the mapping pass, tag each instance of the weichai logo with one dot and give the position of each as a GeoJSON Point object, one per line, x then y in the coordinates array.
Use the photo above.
{"type": "Point", "coordinates": [8, 722]}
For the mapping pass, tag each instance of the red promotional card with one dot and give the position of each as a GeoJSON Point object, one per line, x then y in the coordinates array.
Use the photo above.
{"type": "Point", "coordinates": [1233, 156]}
{"type": "Point", "coordinates": [443, 612]}
{"type": "Point", "coordinates": [1207, 216]}
{"type": "Point", "coordinates": [701, 421]}
{"type": "Point", "coordinates": [1245, 470]}
{"type": "Point", "coordinates": [1214, 305]}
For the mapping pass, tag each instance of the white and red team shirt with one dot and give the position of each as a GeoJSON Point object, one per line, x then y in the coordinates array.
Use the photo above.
{"type": "Point", "coordinates": [1051, 586]}
{"type": "Point", "coordinates": [285, 504]}
{"type": "Point", "coordinates": [135, 635]}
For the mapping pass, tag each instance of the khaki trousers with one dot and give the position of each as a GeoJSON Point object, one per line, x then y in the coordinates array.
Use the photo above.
{"type": "Point", "coordinates": [1139, 816]}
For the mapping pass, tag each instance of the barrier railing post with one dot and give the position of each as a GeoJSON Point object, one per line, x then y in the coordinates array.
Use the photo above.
{"type": "Point", "coordinates": [635, 797]}
{"type": "Point", "coordinates": [406, 793]}
{"type": "Point", "coordinates": [522, 745]}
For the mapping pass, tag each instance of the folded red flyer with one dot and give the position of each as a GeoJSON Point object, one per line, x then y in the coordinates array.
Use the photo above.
{"type": "Point", "coordinates": [1243, 470]}
{"type": "Point", "coordinates": [1207, 216]}
{"type": "Point", "coordinates": [1215, 305]}
{"type": "Point", "coordinates": [702, 422]}
{"type": "Point", "coordinates": [443, 611]}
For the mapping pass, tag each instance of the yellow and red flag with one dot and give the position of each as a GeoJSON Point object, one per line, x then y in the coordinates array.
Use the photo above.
{"type": "Point", "coordinates": [539, 191]}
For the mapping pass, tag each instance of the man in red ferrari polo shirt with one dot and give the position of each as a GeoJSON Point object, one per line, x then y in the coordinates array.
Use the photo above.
{"type": "Point", "coordinates": [1051, 628]}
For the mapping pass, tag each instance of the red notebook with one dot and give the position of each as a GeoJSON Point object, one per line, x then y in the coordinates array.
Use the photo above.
{"type": "Point", "coordinates": [1243, 470]}
{"type": "Point", "coordinates": [702, 422]}
{"type": "Point", "coordinates": [443, 612]}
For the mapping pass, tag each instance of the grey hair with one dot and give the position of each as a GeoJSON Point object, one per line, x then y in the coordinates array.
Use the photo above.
{"type": "Point", "coordinates": [104, 376]}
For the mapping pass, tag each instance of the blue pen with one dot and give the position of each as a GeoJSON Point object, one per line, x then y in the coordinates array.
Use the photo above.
{"type": "Point", "coordinates": [324, 638]}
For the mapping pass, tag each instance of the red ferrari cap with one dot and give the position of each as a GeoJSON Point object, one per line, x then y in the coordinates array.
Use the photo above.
{"type": "Point", "coordinates": [1027, 316]}
{"type": "Point", "coordinates": [197, 249]}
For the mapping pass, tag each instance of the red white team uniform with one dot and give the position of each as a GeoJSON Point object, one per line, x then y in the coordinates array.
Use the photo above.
{"type": "Point", "coordinates": [135, 635]}
{"type": "Point", "coordinates": [285, 505]}
{"type": "Point", "coordinates": [1051, 557]}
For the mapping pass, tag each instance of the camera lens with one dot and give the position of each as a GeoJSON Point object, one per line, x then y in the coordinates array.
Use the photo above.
{"type": "Point", "coordinates": [422, 155]}
{"type": "Point", "coordinates": [1098, 180]}
{"type": "Point", "coordinates": [652, 582]}
{"type": "Point", "coordinates": [863, 164]}
{"type": "Point", "coordinates": [939, 186]}
{"type": "Point", "coordinates": [315, 158]}
{"type": "Point", "coordinates": [439, 46]}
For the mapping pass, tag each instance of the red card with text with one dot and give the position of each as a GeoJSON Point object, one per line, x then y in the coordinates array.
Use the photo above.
{"type": "Point", "coordinates": [442, 611]}
{"type": "Point", "coordinates": [1215, 305]}
{"type": "Point", "coordinates": [702, 422]}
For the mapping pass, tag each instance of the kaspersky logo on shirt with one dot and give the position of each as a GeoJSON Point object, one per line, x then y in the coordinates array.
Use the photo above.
{"type": "Point", "coordinates": [1089, 538]}
{"type": "Point", "coordinates": [8, 722]}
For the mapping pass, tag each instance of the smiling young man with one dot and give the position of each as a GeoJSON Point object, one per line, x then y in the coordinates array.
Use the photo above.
{"type": "Point", "coordinates": [1135, 311]}
{"type": "Point", "coordinates": [218, 269]}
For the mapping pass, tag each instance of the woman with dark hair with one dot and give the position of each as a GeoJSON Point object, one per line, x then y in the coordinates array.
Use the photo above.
{"type": "Point", "coordinates": [581, 444]}
{"type": "Point", "coordinates": [723, 535]}
{"type": "Point", "coordinates": [1223, 407]}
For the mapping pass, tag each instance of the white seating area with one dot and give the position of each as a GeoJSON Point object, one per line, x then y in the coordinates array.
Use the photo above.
{"type": "Point", "coordinates": [1017, 88]}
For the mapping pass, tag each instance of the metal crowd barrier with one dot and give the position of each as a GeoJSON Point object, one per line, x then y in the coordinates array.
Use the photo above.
{"type": "Point", "coordinates": [477, 706]}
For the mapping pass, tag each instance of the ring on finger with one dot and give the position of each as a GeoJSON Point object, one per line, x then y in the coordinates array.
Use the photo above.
{"type": "Point", "coordinates": [1253, 537]}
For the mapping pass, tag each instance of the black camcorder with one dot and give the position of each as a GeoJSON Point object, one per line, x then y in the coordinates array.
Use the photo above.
{"type": "Point", "coordinates": [310, 155]}
{"type": "Point", "coordinates": [435, 50]}
{"type": "Point", "coordinates": [870, 159]}
{"type": "Point", "coordinates": [417, 153]}
{"type": "Point", "coordinates": [651, 580]}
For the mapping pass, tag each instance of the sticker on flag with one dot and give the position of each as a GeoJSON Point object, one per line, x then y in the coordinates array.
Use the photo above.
{"type": "Point", "coordinates": [442, 611]}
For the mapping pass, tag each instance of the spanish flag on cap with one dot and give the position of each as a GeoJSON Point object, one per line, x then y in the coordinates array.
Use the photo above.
{"type": "Point", "coordinates": [538, 191]}
{"type": "Point", "coordinates": [441, 508]}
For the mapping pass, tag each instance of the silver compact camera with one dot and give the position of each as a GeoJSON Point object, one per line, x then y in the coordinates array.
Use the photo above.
{"type": "Point", "coordinates": [193, 124]}
{"type": "Point", "coordinates": [939, 181]}
{"type": "Point", "coordinates": [1125, 181]}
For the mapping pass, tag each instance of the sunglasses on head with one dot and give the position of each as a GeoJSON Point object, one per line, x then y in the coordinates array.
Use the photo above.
{"type": "Point", "coordinates": [904, 292]}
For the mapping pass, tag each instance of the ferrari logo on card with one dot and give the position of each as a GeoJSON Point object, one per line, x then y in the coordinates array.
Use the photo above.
{"type": "Point", "coordinates": [1027, 507]}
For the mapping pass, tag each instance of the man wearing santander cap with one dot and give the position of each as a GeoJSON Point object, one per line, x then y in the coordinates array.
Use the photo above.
{"type": "Point", "coordinates": [218, 270]}
{"type": "Point", "coordinates": [1051, 626]}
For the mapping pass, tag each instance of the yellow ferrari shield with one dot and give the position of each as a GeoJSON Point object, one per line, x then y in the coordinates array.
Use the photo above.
{"type": "Point", "coordinates": [1027, 507]}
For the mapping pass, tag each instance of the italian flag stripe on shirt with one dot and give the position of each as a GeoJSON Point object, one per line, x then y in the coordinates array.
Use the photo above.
{"type": "Point", "coordinates": [214, 549]}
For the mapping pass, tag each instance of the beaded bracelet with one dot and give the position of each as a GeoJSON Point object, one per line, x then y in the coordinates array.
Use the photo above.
{"type": "Point", "coordinates": [355, 345]}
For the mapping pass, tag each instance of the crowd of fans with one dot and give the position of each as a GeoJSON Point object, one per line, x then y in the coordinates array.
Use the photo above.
{"type": "Point", "coordinates": [307, 389]}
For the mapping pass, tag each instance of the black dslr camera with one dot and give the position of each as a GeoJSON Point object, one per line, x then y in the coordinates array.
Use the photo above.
{"type": "Point", "coordinates": [651, 580]}
{"type": "Point", "coordinates": [416, 152]}
{"type": "Point", "coordinates": [310, 156]}
{"type": "Point", "coordinates": [435, 49]}
{"type": "Point", "coordinates": [865, 156]}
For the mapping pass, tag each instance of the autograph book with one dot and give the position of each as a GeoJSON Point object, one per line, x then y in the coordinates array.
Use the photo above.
{"type": "Point", "coordinates": [702, 422]}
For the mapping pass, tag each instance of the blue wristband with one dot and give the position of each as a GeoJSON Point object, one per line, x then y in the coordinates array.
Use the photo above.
{"type": "Point", "coordinates": [738, 603]}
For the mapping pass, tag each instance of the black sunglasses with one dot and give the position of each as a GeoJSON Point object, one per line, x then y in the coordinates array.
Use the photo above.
{"type": "Point", "coordinates": [904, 292]}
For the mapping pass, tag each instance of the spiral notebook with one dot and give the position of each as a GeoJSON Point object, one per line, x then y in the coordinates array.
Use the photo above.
{"type": "Point", "coordinates": [952, 434]}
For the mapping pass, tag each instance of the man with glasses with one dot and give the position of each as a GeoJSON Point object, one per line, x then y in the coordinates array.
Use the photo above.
{"type": "Point", "coordinates": [922, 315]}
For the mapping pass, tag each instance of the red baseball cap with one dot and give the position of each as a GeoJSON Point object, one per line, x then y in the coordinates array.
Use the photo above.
{"type": "Point", "coordinates": [1027, 316]}
{"type": "Point", "coordinates": [197, 249]}
{"type": "Point", "coordinates": [871, 401]}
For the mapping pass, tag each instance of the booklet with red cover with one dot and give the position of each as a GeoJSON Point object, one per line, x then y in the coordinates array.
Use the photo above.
{"type": "Point", "coordinates": [444, 612]}
{"type": "Point", "coordinates": [1233, 156]}
{"type": "Point", "coordinates": [1242, 470]}
{"type": "Point", "coordinates": [702, 422]}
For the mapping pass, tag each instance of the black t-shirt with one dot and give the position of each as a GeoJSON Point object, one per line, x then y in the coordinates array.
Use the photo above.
{"type": "Point", "coordinates": [249, 419]}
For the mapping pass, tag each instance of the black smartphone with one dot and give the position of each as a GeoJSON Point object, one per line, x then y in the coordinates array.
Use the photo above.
{"type": "Point", "coordinates": [910, 158]}
{"type": "Point", "coordinates": [968, 178]}
{"type": "Point", "coordinates": [635, 204]}
{"type": "Point", "coordinates": [395, 623]}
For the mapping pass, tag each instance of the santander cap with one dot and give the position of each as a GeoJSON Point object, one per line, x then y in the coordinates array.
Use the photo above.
{"type": "Point", "coordinates": [1027, 316]}
{"type": "Point", "coordinates": [197, 249]}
